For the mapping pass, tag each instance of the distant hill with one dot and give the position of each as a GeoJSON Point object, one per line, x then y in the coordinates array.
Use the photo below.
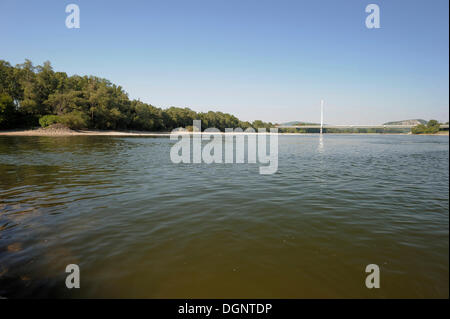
{"type": "Point", "coordinates": [407, 122]}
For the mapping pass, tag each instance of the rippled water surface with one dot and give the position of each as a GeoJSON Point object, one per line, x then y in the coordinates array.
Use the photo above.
{"type": "Point", "coordinates": [140, 226]}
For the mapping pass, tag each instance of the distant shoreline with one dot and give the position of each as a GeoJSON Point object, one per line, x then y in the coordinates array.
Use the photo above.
{"type": "Point", "coordinates": [68, 132]}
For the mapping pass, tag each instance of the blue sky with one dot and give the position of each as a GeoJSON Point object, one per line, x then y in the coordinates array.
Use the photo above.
{"type": "Point", "coordinates": [270, 60]}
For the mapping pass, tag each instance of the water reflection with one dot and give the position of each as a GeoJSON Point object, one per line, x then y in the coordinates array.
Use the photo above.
{"type": "Point", "coordinates": [320, 148]}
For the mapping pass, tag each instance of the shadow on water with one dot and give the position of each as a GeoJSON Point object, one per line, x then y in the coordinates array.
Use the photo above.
{"type": "Point", "coordinates": [40, 178]}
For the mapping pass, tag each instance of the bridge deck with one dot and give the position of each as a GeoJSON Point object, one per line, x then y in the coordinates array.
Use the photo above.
{"type": "Point", "coordinates": [352, 126]}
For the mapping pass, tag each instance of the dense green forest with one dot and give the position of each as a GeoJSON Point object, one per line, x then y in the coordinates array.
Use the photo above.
{"type": "Point", "coordinates": [37, 95]}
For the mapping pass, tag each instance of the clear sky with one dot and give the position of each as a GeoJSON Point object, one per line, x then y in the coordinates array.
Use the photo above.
{"type": "Point", "coordinates": [257, 59]}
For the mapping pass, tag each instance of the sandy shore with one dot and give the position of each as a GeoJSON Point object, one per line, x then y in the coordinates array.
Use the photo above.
{"type": "Point", "coordinates": [444, 133]}
{"type": "Point", "coordinates": [69, 132]}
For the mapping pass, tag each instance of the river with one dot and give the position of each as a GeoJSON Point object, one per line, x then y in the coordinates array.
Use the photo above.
{"type": "Point", "coordinates": [140, 226]}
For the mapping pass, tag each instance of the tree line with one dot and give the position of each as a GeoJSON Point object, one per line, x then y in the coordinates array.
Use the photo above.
{"type": "Point", "coordinates": [37, 95]}
{"type": "Point", "coordinates": [431, 127]}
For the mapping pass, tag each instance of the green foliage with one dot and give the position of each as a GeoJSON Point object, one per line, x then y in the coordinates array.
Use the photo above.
{"type": "Point", "coordinates": [292, 130]}
{"type": "Point", "coordinates": [75, 120]}
{"type": "Point", "coordinates": [433, 123]}
{"type": "Point", "coordinates": [48, 120]}
{"type": "Point", "coordinates": [7, 111]}
{"type": "Point", "coordinates": [260, 124]}
{"type": "Point", "coordinates": [38, 92]}
{"type": "Point", "coordinates": [419, 129]}
{"type": "Point", "coordinates": [432, 127]}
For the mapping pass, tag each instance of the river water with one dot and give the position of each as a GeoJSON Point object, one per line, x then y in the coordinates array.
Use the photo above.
{"type": "Point", "coordinates": [140, 226]}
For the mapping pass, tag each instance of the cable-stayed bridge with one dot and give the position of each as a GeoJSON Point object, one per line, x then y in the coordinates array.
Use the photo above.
{"type": "Point", "coordinates": [322, 126]}
{"type": "Point", "coordinates": [351, 126]}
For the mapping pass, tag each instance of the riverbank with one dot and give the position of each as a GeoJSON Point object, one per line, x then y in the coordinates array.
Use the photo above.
{"type": "Point", "coordinates": [444, 133]}
{"type": "Point", "coordinates": [69, 132]}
